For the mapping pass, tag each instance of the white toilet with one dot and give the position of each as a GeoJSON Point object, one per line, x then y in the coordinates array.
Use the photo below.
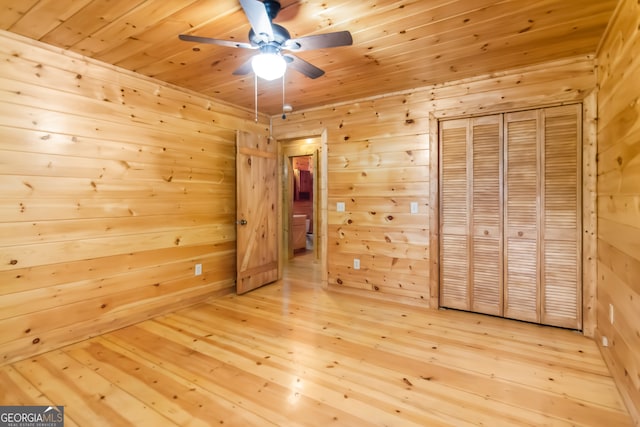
{"type": "Point", "coordinates": [309, 245]}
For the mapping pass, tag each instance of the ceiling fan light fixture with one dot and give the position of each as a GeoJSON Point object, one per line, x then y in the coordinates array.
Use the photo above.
{"type": "Point", "coordinates": [271, 39]}
{"type": "Point", "coordinates": [269, 65]}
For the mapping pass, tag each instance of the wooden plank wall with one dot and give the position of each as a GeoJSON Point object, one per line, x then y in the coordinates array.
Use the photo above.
{"type": "Point", "coordinates": [619, 200]}
{"type": "Point", "coordinates": [112, 187]}
{"type": "Point", "coordinates": [380, 159]}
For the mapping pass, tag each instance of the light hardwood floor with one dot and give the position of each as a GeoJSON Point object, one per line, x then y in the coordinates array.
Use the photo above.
{"type": "Point", "coordinates": [291, 354]}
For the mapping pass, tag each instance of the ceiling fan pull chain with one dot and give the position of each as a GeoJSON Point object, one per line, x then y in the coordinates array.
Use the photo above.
{"type": "Point", "coordinates": [284, 116]}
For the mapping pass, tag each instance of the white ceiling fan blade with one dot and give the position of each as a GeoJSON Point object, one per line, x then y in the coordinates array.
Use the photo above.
{"type": "Point", "coordinates": [303, 66]}
{"type": "Point", "coordinates": [208, 40]}
{"type": "Point", "coordinates": [258, 18]}
{"type": "Point", "coordinates": [319, 41]}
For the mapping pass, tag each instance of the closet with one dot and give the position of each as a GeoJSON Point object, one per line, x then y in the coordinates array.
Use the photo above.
{"type": "Point", "coordinates": [510, 215]}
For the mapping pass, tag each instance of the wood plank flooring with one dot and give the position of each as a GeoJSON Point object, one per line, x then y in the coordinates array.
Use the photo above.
{"type": "Point", "coordinates": [292, 354]}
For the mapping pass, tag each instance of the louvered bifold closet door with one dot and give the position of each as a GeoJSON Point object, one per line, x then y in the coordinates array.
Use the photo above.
{"type": "Point", "coordinates": [486, 217]}
{"type": "Point", "coordinates": [471, 214]}
{"type": "Point", "coordinates": [522, 282]}
{"type": "Point", "coordinates": [455, 213]}
{"type": "Point", "coordinates": [561, 218]}
{"type": "Point", "coordinates": [511, 215]}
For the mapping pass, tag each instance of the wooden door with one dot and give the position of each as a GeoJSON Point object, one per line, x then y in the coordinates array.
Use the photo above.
{"type": "Point", "coordinates": [561, 221]}
{"type": "Point", "coordinates": [471, 220]}
{"type": "Point", "coordinates": [486, 215]}
{"type": "Point", "coordinates": [454, 217]}
{"type": "Point", "coordinates": [257, 195]}
{"type": "Point", "coordinates": [543, 216]}
{"type": "Point", "coordinates": [522, 210]}
{"type": "Point", "coordinates": [511, 215]}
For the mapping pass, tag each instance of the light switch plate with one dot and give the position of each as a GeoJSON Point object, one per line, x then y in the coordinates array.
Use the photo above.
{"type": "Point", "coordinates": [198, 269]}
{"type": "Point", "coordinates": [340, 206]}
{"type": "Point", "coordinates": [414, 207]}
{"type": "Point", "coordinates": [356, 264]}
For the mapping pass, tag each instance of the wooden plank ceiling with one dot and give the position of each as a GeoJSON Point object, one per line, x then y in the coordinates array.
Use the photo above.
{"type": "Point", "coordinates": [398, 44]}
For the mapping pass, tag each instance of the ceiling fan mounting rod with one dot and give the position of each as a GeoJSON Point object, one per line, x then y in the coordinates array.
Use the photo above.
{"type": "Point", "coordinates": [273, 8]}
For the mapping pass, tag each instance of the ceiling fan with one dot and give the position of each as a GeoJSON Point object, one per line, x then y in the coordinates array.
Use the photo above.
{"type": "Point", "coordinates": [271, 40]}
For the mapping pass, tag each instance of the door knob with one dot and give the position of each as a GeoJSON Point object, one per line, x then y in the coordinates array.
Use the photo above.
{"type": "Point", "coordinates": [242, 222]}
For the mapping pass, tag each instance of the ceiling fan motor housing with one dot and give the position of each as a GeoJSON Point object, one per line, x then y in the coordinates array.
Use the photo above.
{"type": "Point", "coordinates": [280, 36]}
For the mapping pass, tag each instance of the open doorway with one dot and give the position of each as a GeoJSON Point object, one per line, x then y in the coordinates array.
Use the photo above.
{"type": "Point", "coordinates": [300, 199]}
{"type": "Point", "coordinates": [302, 238]}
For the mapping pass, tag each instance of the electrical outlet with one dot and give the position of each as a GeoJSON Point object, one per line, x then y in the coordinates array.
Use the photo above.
{"type": "Point", "coordinates": [605, 342]}
{"type": "Point", "coordinates": [340, 206]}
{"type": "Point", "coordinates": [198, 269]}
{"type": "Point", "coordinates": [356, 264]}
{"type": "Point", "coordinates": [414, 207]}
{"type": "Point", "coordinates": [611, 313]}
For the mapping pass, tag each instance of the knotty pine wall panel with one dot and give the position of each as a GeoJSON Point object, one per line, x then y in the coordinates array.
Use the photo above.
{"type": "Point", "coordinates": [112, 187]}
{"type": "Point", "coordinates": [381, 158]}
{"type": "Point", "coordinates": [619, 200]}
